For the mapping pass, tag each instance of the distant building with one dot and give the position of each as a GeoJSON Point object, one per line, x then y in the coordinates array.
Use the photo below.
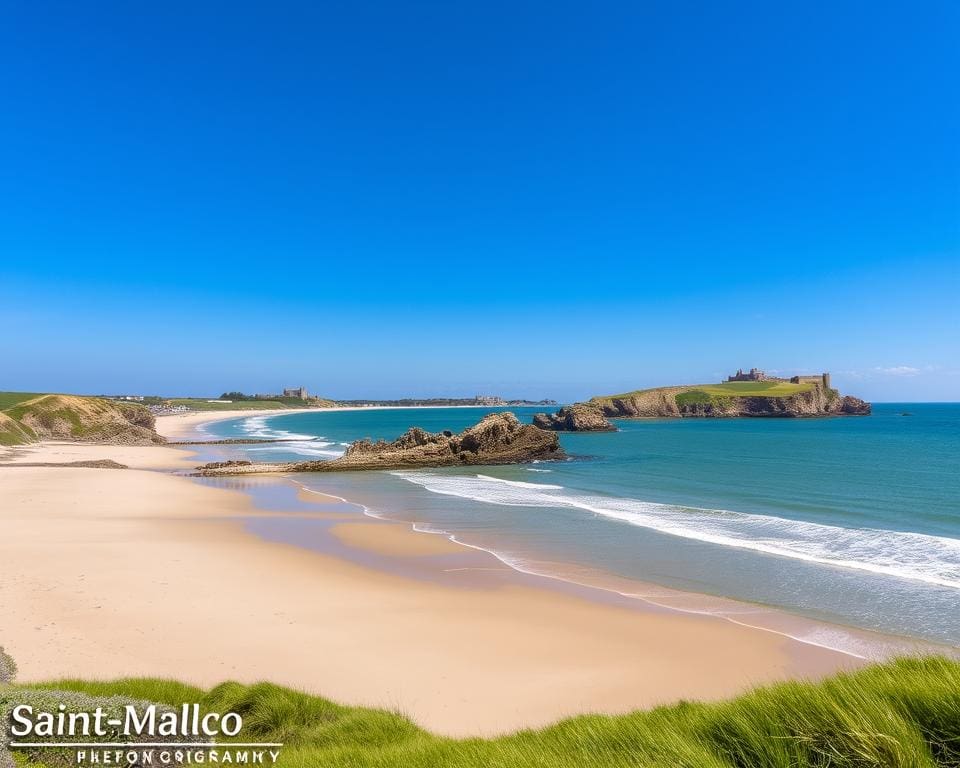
{"type": "Point", "coordinates": [821, 378]}
{"type": "Point", "coordinates": [490, 400]}
{"type": "Point", "coordinates": [299, 392]}
{"type": "Point", "coordinates": [755, 374]}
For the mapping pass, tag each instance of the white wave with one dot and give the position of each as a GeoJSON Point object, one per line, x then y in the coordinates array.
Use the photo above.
{"type": "Point", "coordinates": [334, 454]}
{"type": "Point", "coordinates": [291, 445]}
{"type": "Point", "coordinates": [256, 426]}
{"type": "Point", "coordinates": [294, 442]}
{"type": "Point", "coordinates": [534, 469]}
{"type": "Point", "coordinates": [824, 636]}
{"type": "Point", "coordinates": [520, 484]}
{"type": "Point", "coordinates": [306, 448]}
{"type": "Point", "coordinates": [916, 556]}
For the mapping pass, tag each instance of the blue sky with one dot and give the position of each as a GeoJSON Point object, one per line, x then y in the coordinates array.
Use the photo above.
{"type": "Point", "coordinates": [527, 199]}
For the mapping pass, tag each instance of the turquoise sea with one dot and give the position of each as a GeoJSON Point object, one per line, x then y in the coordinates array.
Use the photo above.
{"type": "Point", "coordinates": [855, 520]}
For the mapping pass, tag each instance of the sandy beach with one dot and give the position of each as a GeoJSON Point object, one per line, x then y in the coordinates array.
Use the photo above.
{"type": "Point", "coordinates": [109, 573]}
{"type": "Point", "coordinates": [182, 426]}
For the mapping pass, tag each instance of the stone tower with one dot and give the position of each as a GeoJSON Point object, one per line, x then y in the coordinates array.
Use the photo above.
{"type": "Point", "coordinates": [826, 381]}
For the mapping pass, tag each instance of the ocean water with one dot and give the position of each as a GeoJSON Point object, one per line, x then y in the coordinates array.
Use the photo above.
{"type": "Point", "coordinates": [855, 521]}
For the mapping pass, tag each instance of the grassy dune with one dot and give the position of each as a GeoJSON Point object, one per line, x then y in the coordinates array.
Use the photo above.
{"type": "Point", "coordinates": [28, 416]}
{"type": "Point", "coordinates": [13, 432]}
{"type": "Point", "coordinates": [10, 399]}
{"type": "Point", "coordinates": [902, 714]}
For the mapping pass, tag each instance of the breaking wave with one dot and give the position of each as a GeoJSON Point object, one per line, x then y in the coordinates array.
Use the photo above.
{"type": "Point", "coordinates": [905, 555]}
{"type": "Point", "coordinates": [300, 444]}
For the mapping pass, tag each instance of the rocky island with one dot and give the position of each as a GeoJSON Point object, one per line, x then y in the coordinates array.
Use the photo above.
{"type": "Point", "coordinates": [752, 394]}
{"type": "Point", "coordinates": [499, 438]}
{"type": "Point", "coordinates": [579, 417]}
{"type": "Point", "coordinates": [743, 394]}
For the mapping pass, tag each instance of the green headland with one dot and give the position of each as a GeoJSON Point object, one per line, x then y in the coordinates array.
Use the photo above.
{"type": "Point", "coordinates": [727, 389]}
{"type": "Point", "coordinates": [744, 394]}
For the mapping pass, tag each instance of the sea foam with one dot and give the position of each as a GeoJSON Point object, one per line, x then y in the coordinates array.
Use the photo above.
{"type": "Point", "coordinates": [901, 554]}
{"type": "Point", "coordinates": [300, 444]}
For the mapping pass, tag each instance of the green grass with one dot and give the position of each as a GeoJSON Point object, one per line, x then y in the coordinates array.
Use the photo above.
{"type": "Point", "coordinates": [10, 399]}
{"type": "Point", "coordinates": [49, 415]}
{"type": "Point", "coordinates": [700, 397]}
{"type": "Point", "coordinates": [14, 433]}
{"type": "Point", "coordinates": [726, 389]}
{"type": "Point", "coordinates": [902, 714]}
{"type": "Point", "coordinates": [9, 438]}
{"type": "Point", "coordinates": [755, 388]}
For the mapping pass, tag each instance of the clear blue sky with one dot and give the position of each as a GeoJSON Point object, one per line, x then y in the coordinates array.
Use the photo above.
{"type": "Point", "coordinates": [531, 199]}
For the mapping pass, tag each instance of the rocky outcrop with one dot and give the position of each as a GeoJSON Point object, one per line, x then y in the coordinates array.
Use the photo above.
{"type": "Point", "coordinates": [672, 402]}
{"type": "Point", "coordinates": [579, 417]}
{"type": "Point", "coordinates": [88, 419]}
{"type": "Point", "coordinates": [497, 439]}
{"type": "Point", "coordinates": [650, 403]}
{"type": "Point", "coordinates": [852, 406]}
{"type": "Point", "coordinates": [227, 464]}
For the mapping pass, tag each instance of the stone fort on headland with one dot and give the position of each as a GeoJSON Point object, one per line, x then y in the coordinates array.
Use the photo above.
{"type": "Point", "coordinates": [755, 374]}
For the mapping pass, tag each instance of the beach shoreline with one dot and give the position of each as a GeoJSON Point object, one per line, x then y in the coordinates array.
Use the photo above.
{"type": "Point", "coordinates": [158, 573]}
{"type": "Point", "coordinates": [177, 426]}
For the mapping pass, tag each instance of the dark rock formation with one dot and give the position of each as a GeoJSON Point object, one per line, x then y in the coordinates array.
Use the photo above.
{"type": "Point", "coordinates": [853, 406]}
{"type": "Point", "coordinates": [579, 417]}
{"type": "Point", "coordinates": [497, 439]}
{"type": "Point", "coordinates": [227, 464]}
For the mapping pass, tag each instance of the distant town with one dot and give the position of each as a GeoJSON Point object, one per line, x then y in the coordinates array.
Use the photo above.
{"type": "Point", "coordinates": [299, 397]}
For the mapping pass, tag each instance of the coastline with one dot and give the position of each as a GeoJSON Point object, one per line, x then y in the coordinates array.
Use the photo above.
{"type": "Point", "coordinates": [859, 644]}
{"type": "Point", "coordinates": [372, 612]}
{"type": "Point", "coordinates": [180, 425]}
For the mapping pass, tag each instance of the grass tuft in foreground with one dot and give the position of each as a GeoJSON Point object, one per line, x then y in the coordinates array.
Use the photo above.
{"type": "Point", "coordinates": [901, 714]}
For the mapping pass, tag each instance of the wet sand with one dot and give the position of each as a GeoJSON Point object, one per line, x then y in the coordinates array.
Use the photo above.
{"type": "Point", "coordinates": [111, 573]}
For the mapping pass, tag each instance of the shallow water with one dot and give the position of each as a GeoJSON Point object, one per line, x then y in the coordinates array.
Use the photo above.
{"type": "Point", "coordinates": [852, 520]}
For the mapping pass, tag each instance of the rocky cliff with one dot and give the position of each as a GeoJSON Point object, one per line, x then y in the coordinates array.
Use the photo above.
{"type": "Point", "coordinates": [497, 439]}
{"type": "Point", "coordinates": [89, 419]}
{"type": "Point", "coordinates": [579, 417]}
{"type": "Point", "coordinates": [666, 402]}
